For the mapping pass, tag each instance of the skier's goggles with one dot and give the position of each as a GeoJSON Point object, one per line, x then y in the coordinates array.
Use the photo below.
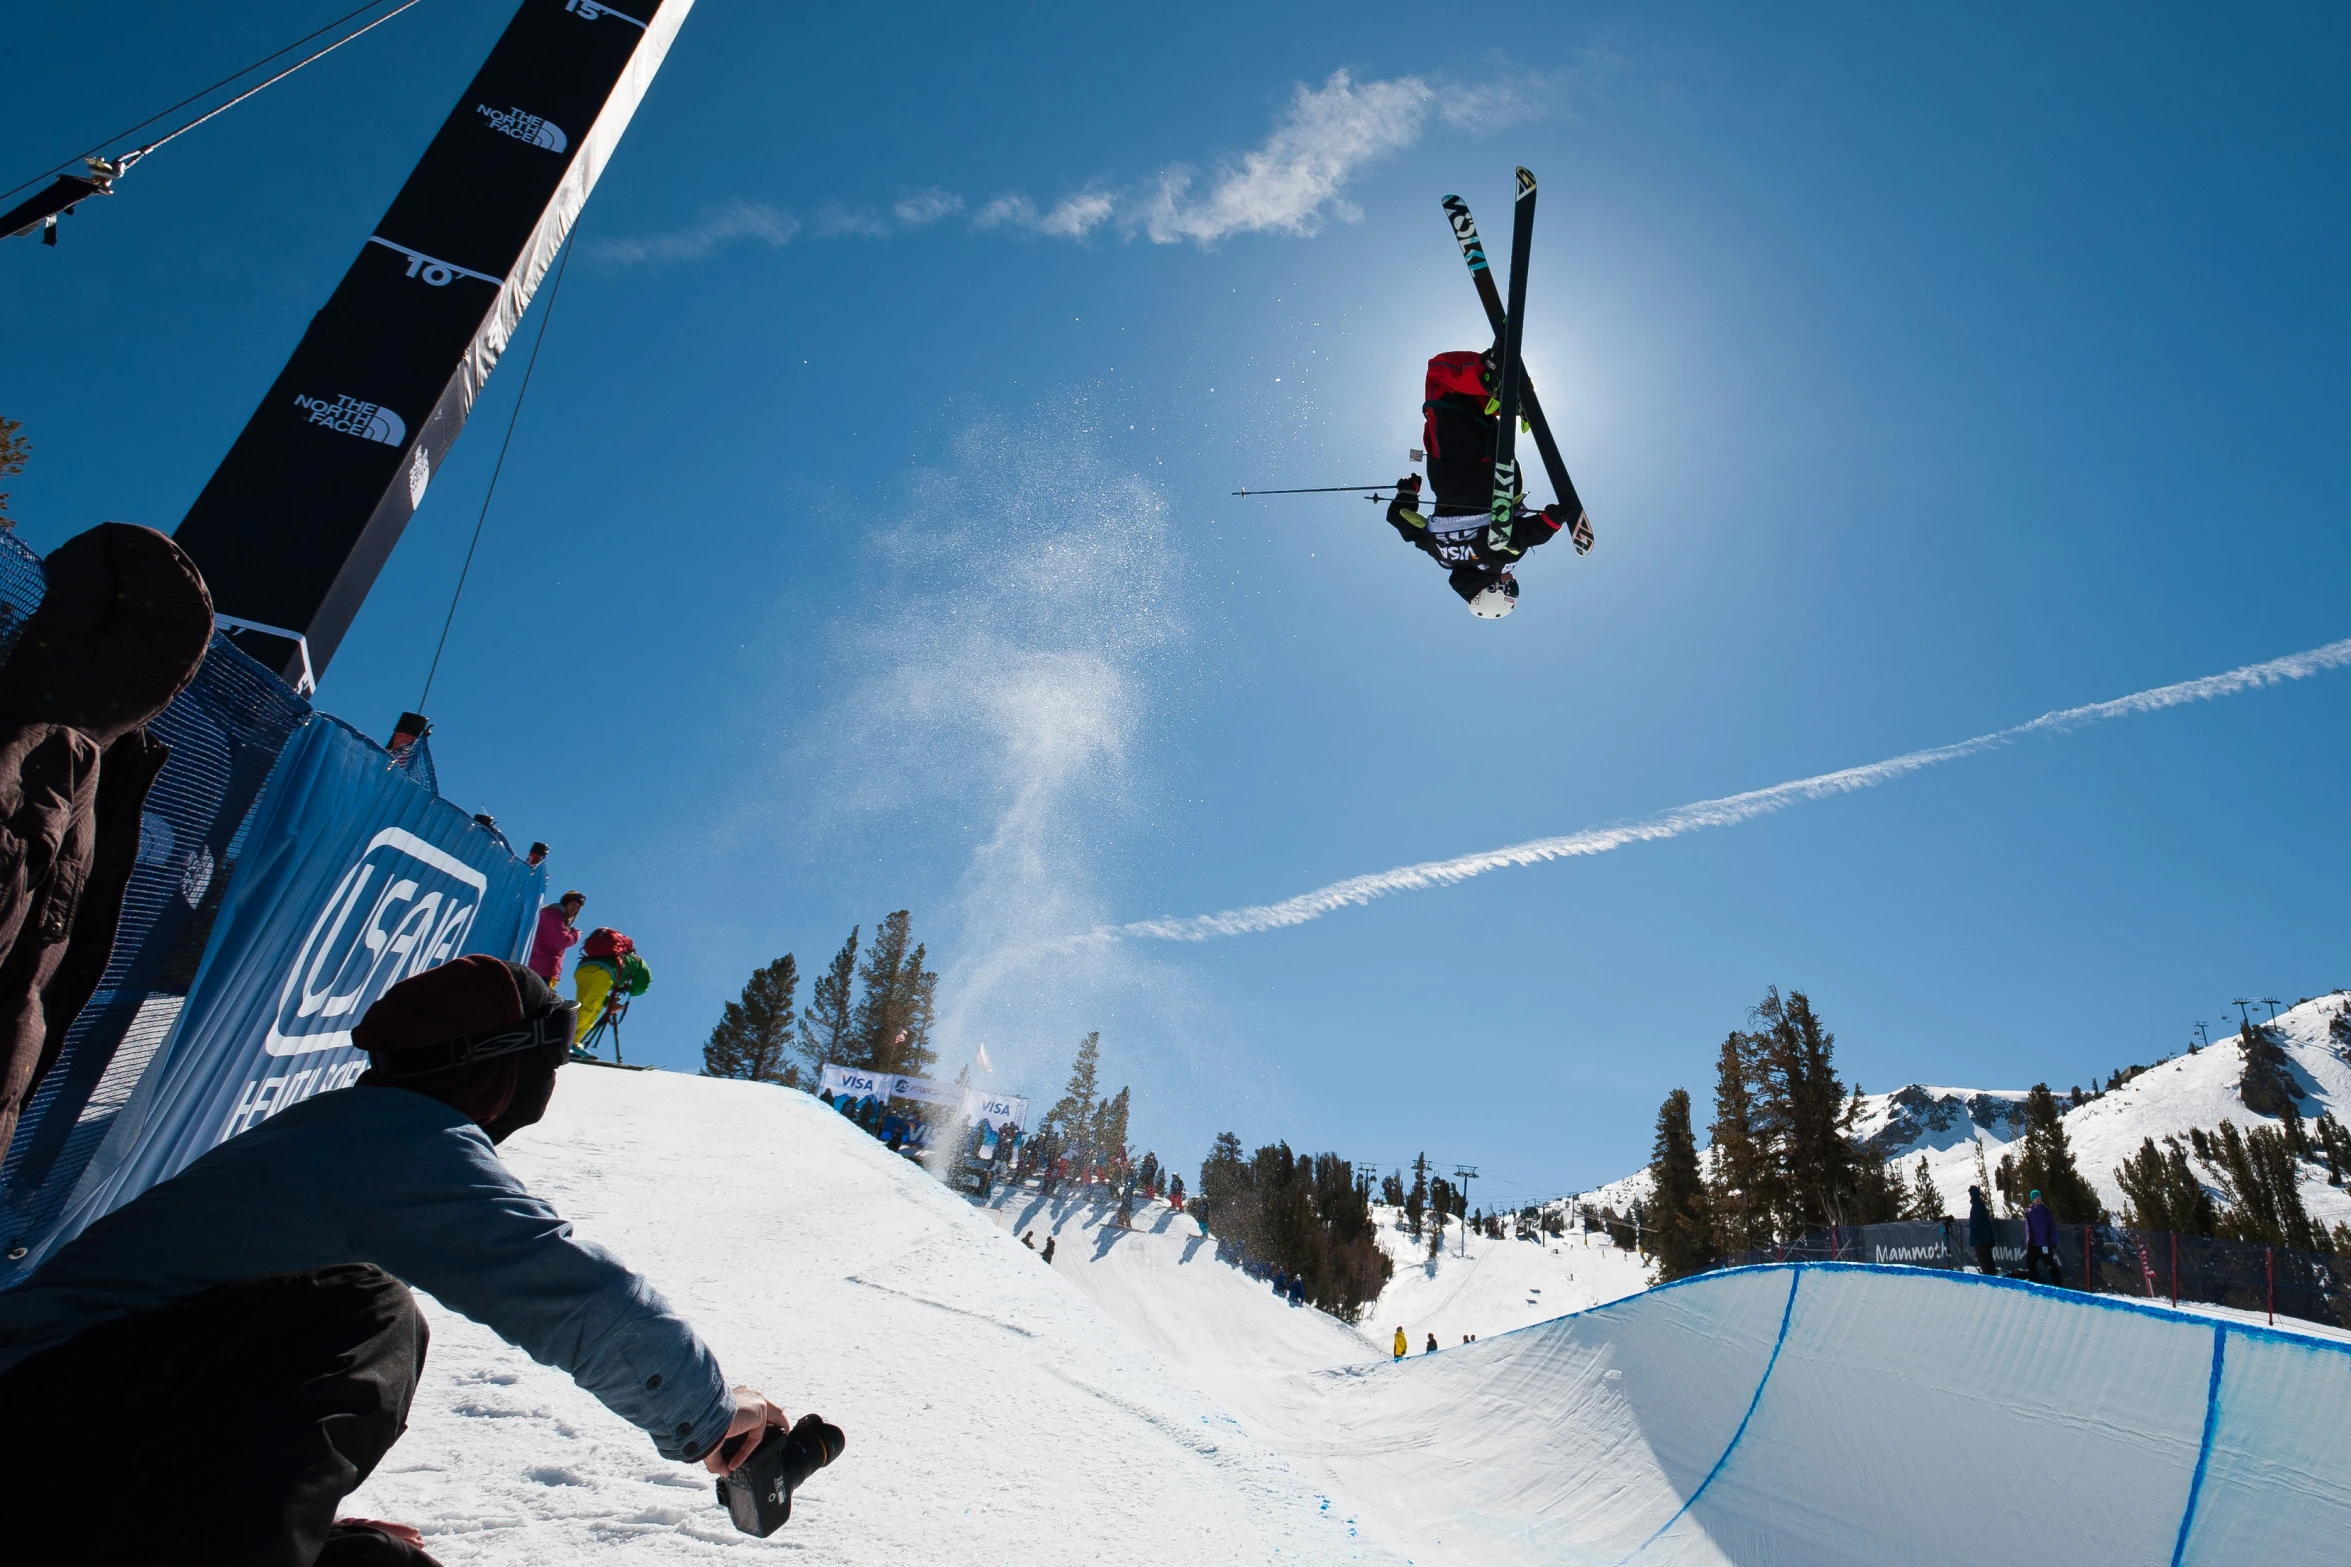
{"type": "Point", "coordinates": [549, 1032]}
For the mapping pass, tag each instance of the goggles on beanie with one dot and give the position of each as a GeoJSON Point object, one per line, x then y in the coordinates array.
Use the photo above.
{"type": "Point", "coordinates": [550, 1032]}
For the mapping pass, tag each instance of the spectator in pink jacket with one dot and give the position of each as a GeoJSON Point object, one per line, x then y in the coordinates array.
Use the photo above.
{"type": "Point", "coordinates": [558, 929]}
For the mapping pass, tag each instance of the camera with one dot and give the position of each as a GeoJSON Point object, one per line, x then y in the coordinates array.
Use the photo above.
{"type": "Point", "coordinates": [758, 1494]}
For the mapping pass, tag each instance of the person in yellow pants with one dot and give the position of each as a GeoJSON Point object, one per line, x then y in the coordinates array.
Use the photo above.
{"type": "Point", "coordinates": [592, 982]}
{"type": "Point", "coordinates": [608, 973]}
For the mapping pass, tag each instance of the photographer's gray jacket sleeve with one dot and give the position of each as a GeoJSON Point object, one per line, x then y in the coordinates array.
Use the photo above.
{"type": "Point", "coordinates": [386, 1176]}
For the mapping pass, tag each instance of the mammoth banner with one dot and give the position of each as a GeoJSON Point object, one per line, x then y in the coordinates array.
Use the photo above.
{"type": "Point", "coordinates": [350, 876]}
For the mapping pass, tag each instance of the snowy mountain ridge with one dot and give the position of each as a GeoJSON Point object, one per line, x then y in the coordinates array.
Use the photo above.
{"type": "Point", "coordinates": [1947, 1126]}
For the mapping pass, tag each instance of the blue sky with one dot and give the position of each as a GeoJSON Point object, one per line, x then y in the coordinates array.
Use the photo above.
{"type": "Point", "coordinates": [866, 540]}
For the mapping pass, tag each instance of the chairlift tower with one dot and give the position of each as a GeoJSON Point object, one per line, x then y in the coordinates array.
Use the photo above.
{"type": "Point", "coordinates": [1465, 1173]}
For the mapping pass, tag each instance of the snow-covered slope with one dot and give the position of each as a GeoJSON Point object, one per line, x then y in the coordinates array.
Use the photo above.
{"type": "Point", "coordinates": [995, 1407]}
{"type": "Point", "coordinates": [1946, 1125]}
{"type": "Point", "coordinates": [1500, 1285]}
{"type": "Point", "coordinates": [1165, 1283]}
{"type": "Point", "coordinates": [992, 1410]}
{"type": "Point", "coordinates": [1162, 1281]}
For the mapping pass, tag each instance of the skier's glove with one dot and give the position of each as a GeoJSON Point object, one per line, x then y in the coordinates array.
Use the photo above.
{"type": "Point", "coordinates": [1404, 510]}
{"type": "Point", "coordinates": [1579, 529]}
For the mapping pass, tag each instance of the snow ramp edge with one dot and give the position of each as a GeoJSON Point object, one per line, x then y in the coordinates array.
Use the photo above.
{"type": "Point", "coordinates": [1836, 1412]}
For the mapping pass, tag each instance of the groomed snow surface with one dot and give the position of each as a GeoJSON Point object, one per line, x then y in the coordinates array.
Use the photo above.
{"type": "Point", "coordinates": [1140, 1401]}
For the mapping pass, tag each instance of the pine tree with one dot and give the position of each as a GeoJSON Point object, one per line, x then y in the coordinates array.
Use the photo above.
{"type": "Point", "coordinates": [754, 1035]}
{"type": "Point", "coordinates": [2160, 1191]}
{"type": "Point", "coordinates": [1416, 1199]}
{"type": "Point", "coordinates": [1804, 1116]}
{"type": "Point", "coordinates": [1739, 1175]}
{"type": "Point", "coordinates": [1354, 1266]}
{"type": "Point", "coordinates": [1926, 1199]}
{"type": "Point", "coordinates": [1109, 1129]}
{"type": "Point", "coordinates": [2267, 1082]}
{"type": "Point", "coordinates": [1392, 1189]}
{"type": "Point", "coordinates": [827, 1028]}
{"type": "Point", "coordinates": [15, 449]}
{"type": "Point", "coordinates": [1880, 1195]}
{"type": "Point", "coordinates": [1224, 1179]}
{"type": "Point", "coordinates": [1073, 1116]}
{"type": "Point", "coordinates": [2046, 1164]}
{"type": "Point", "coordinates": [1308, 1216]}
{"type": "Point", "coordinates": [1682, 1237]}
{"type": "Point", "coordinates": [2261, 1181]}
{"type": "Point", "coordinates": [893, 1019]}
{"type": "Point", "coordinates": [2335, 1146]}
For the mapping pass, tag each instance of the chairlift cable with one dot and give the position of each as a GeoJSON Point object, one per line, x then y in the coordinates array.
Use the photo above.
{"type": "Point", "coordinates": [141, 152]}
{"type": "Point", "coordinates": [500, 467]}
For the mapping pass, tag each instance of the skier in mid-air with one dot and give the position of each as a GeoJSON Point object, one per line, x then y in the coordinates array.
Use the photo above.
{"type": "Point", "coordinates": [1459, 532]}
{"type": "Point", "coordinates": [1474, 405]}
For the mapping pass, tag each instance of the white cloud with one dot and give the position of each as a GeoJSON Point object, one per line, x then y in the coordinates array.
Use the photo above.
{"type": "Point", "coordinates": [834, 221]}
{"type": "Point", "coordinates": [1293, 182]}
{"type": "Point", "coordinates": [1070, 218]}
{"type": "Point", "coordinates": [1484, 107]}
{"type": "Point", "coordinates": [926, 207]}
{"type": "Point", "coordinates": [716, 226]}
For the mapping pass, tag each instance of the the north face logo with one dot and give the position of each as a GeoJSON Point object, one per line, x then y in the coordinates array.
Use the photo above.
{"type": "Point", "coordinates": [522, 125]}
{"type": "Point", "coordinates": [370, 421]}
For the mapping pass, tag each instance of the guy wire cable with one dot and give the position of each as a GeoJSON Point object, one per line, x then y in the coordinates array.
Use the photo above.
{"type": "Point", "coordinates": [512, 419]}
{"type": "Point", "coordinates": [141, 152]}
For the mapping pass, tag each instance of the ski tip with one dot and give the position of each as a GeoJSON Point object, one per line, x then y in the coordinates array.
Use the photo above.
{"type": "Point", "coordinates": [1526, 181]}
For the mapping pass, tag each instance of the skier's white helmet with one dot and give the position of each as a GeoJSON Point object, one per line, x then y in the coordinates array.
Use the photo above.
{"type": "Point", "coordinates": [1495, 601]}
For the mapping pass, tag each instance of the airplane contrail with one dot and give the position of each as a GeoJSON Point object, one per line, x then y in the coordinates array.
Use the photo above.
{"type": "Point", "coordinates": [1725, 812]}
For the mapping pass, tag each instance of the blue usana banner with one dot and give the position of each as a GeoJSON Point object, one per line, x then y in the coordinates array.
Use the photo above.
{"type": "Point", "coordinates": [350, 877]}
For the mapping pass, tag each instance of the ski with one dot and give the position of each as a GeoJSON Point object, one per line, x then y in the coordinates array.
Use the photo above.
{"type": "Point", "coordinates": [1473, 251]}
{"type": "Point", "coordinates": [1507, 489]}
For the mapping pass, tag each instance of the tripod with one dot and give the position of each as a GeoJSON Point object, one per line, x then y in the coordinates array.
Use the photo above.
{"type": "Point", "coordinates": [616, 1007]}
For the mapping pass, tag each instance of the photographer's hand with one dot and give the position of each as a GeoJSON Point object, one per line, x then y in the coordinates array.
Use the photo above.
{"type": "Point", "coordinates": [752, 1413]}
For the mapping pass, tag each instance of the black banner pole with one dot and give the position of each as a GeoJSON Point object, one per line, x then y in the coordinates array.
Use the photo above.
{"type": "Point", "coordinates": [303, 512]}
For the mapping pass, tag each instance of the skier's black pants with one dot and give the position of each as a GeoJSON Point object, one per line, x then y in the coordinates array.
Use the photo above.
{"type": "Point", "coordinates": [2038, 1257]}
{"type": "Point", "coordinates": [1983, 1261]}
{"type": "Point", "coordinates": [225, 1428]}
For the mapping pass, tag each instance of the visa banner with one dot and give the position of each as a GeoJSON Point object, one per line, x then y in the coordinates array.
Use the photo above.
{"type": "Point", "coordinates": [351, 877]}
{"type": "Point", "coordinates": [852, 1083]}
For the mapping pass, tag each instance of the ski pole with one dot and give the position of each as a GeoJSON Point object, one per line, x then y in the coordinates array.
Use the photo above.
{"type": "Point", "coordinates": [1318, 489]}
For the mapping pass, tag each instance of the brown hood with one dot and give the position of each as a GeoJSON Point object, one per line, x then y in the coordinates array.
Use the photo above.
{"type": "Point", "coordinates": [119, 633]}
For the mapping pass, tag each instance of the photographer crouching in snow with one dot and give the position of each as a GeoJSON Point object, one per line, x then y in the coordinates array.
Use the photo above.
{"type": "Point", "coordinates": [204, 1374]}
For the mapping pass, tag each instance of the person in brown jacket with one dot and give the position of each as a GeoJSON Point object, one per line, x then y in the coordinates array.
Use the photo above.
{"type": "Point", "coordinates": [120, 632]}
